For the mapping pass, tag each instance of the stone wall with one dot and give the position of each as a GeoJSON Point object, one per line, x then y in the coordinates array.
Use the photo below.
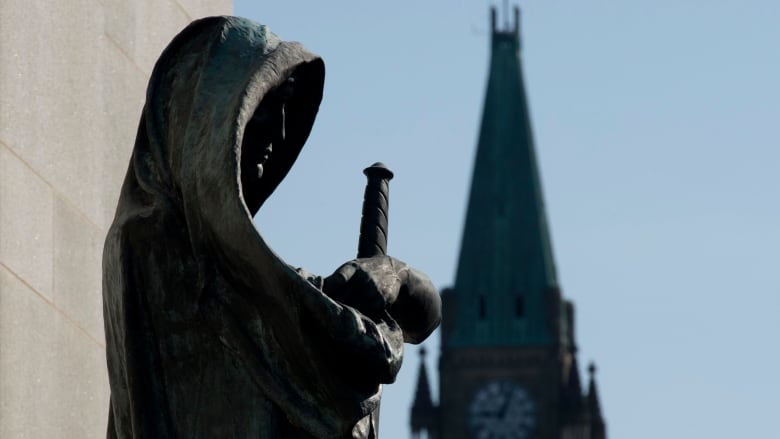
{"type": "Point", "coordinates": [72, 82]}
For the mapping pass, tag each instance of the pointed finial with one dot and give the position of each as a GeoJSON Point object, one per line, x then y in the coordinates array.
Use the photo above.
{"type": "Point", "coordinates": [598, 430]}
{"type": "Point", "coordinates": [506, 14]}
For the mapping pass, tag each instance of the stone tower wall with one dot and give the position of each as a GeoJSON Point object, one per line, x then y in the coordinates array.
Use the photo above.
{"type": "Point", "coordinates": [72, 82]}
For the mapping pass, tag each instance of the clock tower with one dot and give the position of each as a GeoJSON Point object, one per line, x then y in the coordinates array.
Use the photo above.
{"type": "Point", "coordinates": [508, 365]}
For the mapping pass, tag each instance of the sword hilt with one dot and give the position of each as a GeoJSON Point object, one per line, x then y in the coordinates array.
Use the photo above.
{"type": "Point", "coordinates": [376, 202]}
{"type": "Point", "coordinates": [373, 233]}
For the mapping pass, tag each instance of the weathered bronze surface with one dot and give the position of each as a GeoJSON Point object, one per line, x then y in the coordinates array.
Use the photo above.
{"type": "Point", "coordinates": [209, 334]}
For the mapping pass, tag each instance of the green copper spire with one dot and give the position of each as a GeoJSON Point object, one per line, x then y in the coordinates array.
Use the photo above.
{"type": "Point", "coordinates": [506, 274]}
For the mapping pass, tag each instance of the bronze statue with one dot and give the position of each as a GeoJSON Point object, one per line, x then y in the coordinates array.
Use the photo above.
{"type": "Point", "coordinates": [209, 334]}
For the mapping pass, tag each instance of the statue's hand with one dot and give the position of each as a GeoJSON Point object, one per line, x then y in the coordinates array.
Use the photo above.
{"type": "Point", "coordinates": [383, 283]}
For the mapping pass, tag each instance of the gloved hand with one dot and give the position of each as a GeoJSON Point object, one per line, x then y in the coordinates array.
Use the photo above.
{"type": "Point", "coordinates": [383, 283]}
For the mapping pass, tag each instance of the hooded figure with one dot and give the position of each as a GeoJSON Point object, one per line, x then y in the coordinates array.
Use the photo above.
{"type": "Point", "coordinates": [209, 334]}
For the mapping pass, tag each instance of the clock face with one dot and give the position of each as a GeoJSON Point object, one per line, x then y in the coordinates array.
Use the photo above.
{"type": "Point", "coordinates": [501, 410]}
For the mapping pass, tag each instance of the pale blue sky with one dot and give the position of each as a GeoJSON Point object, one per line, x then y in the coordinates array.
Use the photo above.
{"type": "Point", "coordinates": [657, 127]}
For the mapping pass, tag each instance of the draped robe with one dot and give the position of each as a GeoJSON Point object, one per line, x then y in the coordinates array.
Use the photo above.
{"type": "Point", "coordinates": [209, 334]}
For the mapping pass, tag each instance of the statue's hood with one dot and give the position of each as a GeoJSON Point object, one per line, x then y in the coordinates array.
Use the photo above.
{"type": "Point", "coordinates": [204, 105]}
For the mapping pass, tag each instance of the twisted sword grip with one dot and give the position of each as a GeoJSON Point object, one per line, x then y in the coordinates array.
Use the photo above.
{"type": "Point", "coordinates": [373, 232]}
{"type": "Point", "coordinates": [373, 223]}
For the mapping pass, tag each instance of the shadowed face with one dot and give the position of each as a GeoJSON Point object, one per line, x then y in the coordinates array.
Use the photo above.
{"type": "Point", "coordinates": [264, 135]}
{"type": "Point", "coordinates": [274, 135]}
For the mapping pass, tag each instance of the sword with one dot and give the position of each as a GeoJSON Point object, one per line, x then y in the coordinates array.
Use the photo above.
{"type": "Point", "coordinates": [373, 231]}
{"type": "Point", "coordinates": [373, 223]}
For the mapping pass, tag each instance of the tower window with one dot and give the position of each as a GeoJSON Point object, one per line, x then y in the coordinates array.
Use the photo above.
{"type": "Point", "coordinates": [519, 305]}
{"type": "Point", "coordinates": [482, 307]}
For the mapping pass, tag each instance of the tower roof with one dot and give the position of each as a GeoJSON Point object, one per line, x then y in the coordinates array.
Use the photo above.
{"type": "Point", "coordinates": [571, 395]}
{"type": "Point", "coordinates": [506, 269]}
{"type": "Point", "coordinates": [423, 413]}
{"type": "Point", "coordinates": [422, 395]}
{"type": "Point", "coordinates": [597, 426]}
